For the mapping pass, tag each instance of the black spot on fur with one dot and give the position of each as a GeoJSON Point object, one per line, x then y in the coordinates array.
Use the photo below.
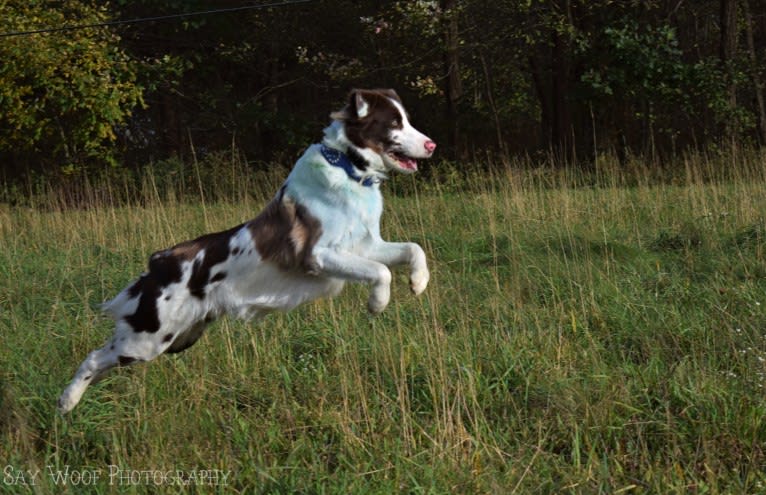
{"type": "Point", "coordinates": [164, 269]}
{"type": "Point", "coordinates": [168, 337]}
{"type": "Point", "coordinates": [145, 318]}
{"type": "Point", "coordinates": [198, 280]}
{"type": "Point", "coordinates": [218, 277]}
{"type": "Point", "coordinates": [125, 360]}
{"type": "Point", "coordinates": [111, 347]}
{"type": "Point", "coordinates": [216, 248]}
{"type": "Point", "coordinates": [357, 159]}
{"type": "Point", "coordinates": [135, 289]}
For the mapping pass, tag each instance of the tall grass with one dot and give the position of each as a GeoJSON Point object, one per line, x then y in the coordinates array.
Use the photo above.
{"type": "Point", "coordinates": [582, 333]}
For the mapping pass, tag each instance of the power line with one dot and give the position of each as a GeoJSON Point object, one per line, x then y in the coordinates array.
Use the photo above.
{"type": "Point", "coordinates": [151, 19]}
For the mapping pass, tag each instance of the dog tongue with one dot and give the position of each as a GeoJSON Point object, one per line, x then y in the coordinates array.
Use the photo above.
{"type": "Point", "coordinates": [408, 163]}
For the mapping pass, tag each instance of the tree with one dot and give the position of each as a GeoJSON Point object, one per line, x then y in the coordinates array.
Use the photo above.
{"type": "Point", "coordinates": [486, 79]}
{"type": "Point", "coordinates": [755, 73]}
{"type": "Point", "coordinates": [62, 94]}
{"type": "Point", "coordinates": [727, 50]}
{"type": "Point", "coordinates": [453, 82]}
{"type": "Point", "coordinates": [639, 70]}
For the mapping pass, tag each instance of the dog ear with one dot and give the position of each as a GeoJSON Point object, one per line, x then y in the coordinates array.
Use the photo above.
{"type": "Point", "coordinates": [358, 106]}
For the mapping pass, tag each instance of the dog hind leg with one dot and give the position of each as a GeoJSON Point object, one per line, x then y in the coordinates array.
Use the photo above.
{"type": "Point", "coordinates": [91, 370]}
{"type": "Point", "coordinates": [128, 347]}
{"type": "Point", "coordinates": [187, 338]}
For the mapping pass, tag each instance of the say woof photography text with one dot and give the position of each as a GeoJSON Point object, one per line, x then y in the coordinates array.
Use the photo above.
{"type": "Point", "coordinates": [112, 475]}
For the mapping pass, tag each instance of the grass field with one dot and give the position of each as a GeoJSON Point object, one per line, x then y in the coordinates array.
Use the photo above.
{"type": "Point", "coordinates": [608, 338]}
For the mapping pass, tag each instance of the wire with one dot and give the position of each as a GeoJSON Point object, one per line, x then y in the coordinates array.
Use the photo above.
{"type": "Point", "coordinates": [151, 19]}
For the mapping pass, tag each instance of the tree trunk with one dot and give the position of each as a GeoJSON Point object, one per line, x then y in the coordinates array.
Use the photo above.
{"type": "Point", "coordinates": [727, 50]}
{"type": "Point", "coordinates": [757, 83]}
{"type": "Point", "coordinates": [171, 126]}
{"type": "Point", "coordinates": [545, 104]}
{"type": "Point", "coordinates": [453, 89]}
{"type": "Point", "coordinates": [563, 139]}
{"type": "Point", "coordinates": [728, 42]}
{"type": "Point", "coordinates": [493, 106]}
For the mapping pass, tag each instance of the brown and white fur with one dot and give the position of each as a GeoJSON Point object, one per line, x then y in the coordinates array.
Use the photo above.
{"type": "Point", "coordinates": [321, 229]}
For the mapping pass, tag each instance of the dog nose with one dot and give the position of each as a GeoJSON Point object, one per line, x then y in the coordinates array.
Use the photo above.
{"type": "Point", "coordinates": [430, 146]}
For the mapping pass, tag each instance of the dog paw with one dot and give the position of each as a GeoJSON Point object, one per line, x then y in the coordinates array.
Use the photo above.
{"type": "Point", "coordinates": [419, 281]}
{"type": "Point", "coordinates": [381, 294]}
{"type": "Point", "coordinates": [375, 307]}
{"type": "Point", "coordinates": [378, 301]}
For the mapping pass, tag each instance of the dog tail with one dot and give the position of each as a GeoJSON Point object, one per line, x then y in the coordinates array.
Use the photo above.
{"type": "Point", "coordinates": [123, 303]}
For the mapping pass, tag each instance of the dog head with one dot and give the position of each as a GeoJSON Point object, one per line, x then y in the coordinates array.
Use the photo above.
{"type": "Point", "coordinates": [377, 128]}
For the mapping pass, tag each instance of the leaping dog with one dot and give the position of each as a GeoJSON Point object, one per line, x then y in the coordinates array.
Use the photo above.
{"type": "Point", "coordinates": [321, 230]}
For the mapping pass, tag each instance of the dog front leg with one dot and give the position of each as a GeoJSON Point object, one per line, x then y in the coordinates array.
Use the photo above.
{"type": "Point", "coordinates": [404, 253]}
{"type": "Point", "coordinates": [349, 266]}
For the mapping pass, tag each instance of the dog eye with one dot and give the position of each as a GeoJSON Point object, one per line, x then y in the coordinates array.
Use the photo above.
{"type": "Point", "coordinates": [395, 123]}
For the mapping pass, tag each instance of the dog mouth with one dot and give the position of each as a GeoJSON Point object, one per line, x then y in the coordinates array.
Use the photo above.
{"type": "Point", "coordinates": [403, 162]}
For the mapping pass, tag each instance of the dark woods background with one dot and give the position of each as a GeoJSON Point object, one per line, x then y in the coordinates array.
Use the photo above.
{"type": "Point", "coordinates": [487, 80]}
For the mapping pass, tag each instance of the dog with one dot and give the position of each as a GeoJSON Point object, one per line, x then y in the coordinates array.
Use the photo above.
{"type": "Point", "coordinates": [321, 230]}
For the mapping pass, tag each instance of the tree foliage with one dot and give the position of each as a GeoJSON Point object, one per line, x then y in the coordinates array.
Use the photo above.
{"type": "Point", "coordinates": [484, 78]}
{"type": "Point", "coordinates": [63, 94]}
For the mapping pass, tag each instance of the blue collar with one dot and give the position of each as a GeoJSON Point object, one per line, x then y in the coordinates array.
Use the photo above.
{"type": "Point", "coordinates": [340, 159]}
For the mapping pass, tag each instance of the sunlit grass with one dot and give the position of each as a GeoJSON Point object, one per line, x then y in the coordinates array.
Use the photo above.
{"type": "Point", "coordinates": [600, 338]}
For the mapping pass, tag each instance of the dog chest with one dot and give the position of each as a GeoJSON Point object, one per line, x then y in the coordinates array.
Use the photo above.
{"type": "Point", "coordinates": [348, 212]}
